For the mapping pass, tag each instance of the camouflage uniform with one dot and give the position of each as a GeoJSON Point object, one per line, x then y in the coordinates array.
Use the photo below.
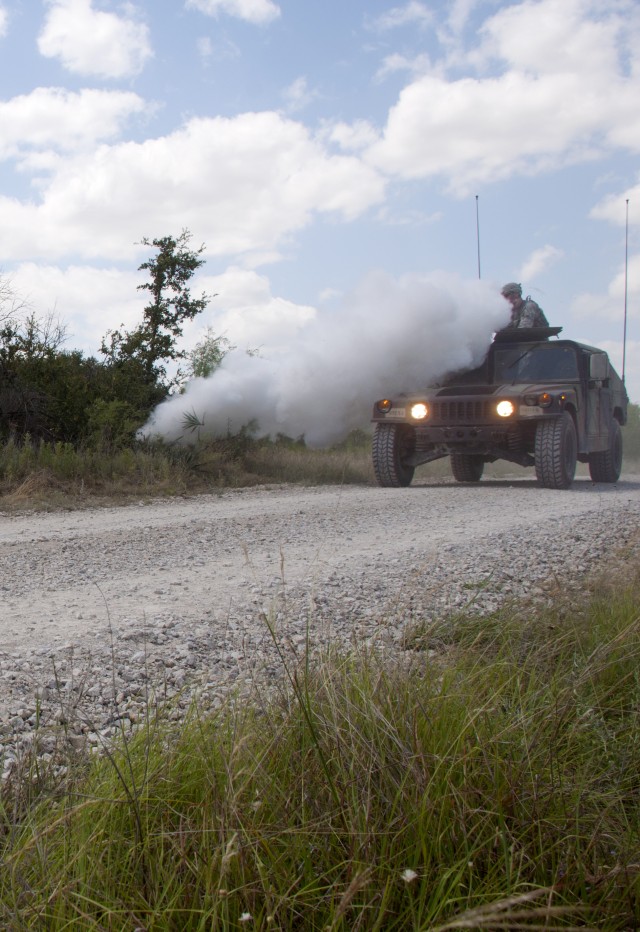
{"type": "Point", "coordinates": [529, 314]}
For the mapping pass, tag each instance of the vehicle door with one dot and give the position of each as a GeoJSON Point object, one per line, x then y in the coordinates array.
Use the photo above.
{"type": "Point", "coordinates": [598, 402]}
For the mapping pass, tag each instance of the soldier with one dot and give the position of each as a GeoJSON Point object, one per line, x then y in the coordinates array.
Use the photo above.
{"type": "Point", "coordinates": [524, 311]}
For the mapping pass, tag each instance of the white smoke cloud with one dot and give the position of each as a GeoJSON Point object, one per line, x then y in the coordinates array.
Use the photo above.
{"type": "Point", "coordinates": [389, 336]}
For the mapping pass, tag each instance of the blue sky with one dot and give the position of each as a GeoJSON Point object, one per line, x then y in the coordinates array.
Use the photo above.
{"type": "Point", "coordinates": [315, 145]}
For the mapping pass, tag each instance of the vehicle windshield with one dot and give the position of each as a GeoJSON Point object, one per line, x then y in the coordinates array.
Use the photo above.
{"type": "Point", "coordinates": [535, 363]}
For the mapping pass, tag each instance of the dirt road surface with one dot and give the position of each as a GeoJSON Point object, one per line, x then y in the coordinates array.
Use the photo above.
{"type": "Point", "coordinates": [72, 575]}
{"type": "Point", "coordinates": [106, 610]}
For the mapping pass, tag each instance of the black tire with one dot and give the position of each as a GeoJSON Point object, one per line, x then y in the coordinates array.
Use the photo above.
{"type": "Point", "coordinates": [606, 466]}
{"type": "Point", "coordinates": [467, 467]}
{"type": "Point", "coordinates": [392, 443]}
{"type": "Point", "coordinates": [556, 452]}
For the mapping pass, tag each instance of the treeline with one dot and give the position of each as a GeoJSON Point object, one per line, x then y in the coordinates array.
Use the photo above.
{"type": "Point", "coordinates": [51, 394]}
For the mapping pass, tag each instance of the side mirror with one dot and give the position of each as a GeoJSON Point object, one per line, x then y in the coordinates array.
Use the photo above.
{"type": "Point", "coordinates": [599, 366]}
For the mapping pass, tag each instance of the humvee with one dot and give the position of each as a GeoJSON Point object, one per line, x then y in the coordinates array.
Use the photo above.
{"type": "Point", "coordinates": [534, 401]}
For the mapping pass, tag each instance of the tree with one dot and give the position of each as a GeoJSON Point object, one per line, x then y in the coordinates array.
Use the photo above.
{"type": "Point", "coordinates": [154, 341]}
{"type": "Point", "coordinates": [11, 307]}
{"type": "Point", "coordinates": [207, 355]}
{"type": "Point", "coordinates": [31, 338]}
{"type": "Point", "coordinates": [29, 355]}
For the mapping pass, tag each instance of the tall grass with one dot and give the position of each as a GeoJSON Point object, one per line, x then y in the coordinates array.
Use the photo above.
{"type": "Point", "coordinates": [41, 473]}
{"type": "Point", "coordinates": [50, 475]}
{"type": "Point", "coordinates": [44, 475]}
{"type": "Point", "coordinates": [487, 779]}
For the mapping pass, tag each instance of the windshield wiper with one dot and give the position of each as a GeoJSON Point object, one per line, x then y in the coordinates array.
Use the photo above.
{"type": "Point", "coordinates": [522, 356]}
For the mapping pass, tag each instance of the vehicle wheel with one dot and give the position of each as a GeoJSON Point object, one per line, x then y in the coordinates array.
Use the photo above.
{"type": "Point", "coordinates": [392, 444]}
{"type": "Point", "coordinates": [467, 467]}
{"type": "Point", "coordinates": [556, 452]}
{"type": "Point", "coordinates": [607, 465]}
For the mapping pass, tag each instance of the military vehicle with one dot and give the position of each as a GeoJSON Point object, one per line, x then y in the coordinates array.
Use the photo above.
{"type": "Point", "coordinates": [536, 400]}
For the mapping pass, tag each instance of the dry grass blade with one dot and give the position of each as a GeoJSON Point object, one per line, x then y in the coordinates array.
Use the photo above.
{"type": "Point", "coordinates": [358, 883]}
{"type": "Point", "coordinates": [35, 486]}
{"type": "Point", "coordinates": [508, 914]}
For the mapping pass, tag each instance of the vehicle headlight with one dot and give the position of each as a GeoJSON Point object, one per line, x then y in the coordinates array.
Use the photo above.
{"type": "Point", "coordinates": [505, 408]}
{"type": "Point", "coordinates": [419, 411]}
{"type": "Point", "coordinates": [384, 405]}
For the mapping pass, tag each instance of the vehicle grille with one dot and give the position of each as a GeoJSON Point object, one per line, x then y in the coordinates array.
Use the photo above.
{"type": "Point", "coordinates": [460, 411]}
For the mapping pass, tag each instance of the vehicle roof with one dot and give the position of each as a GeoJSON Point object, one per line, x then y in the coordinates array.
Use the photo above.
{"type": "Point", "coordinates": [538, 335]}
{"type": "Point", "coordinates": [525, 334]}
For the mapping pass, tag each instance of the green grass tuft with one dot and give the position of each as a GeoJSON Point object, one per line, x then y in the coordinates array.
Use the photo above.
{"type": "Point", "coordinates": [490, 780]}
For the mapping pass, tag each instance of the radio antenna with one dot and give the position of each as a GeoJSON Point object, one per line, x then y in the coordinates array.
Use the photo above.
{"type": "Point", "coordinates": [626, 277]}
{"type": "Point", "coordinates": [478, 232]}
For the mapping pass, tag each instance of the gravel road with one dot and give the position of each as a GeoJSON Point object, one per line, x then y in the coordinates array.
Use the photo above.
{"type": "Point", "coordinates": [98, 607]}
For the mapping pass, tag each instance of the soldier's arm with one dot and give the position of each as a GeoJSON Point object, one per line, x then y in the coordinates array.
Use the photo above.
{"type": "Point", "coordinates": [529, 315]}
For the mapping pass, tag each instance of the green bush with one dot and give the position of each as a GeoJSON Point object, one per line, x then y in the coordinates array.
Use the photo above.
{"type": "Point", "coordinates": [631, 434]}
{"type": "Point", "coordinates": [112, 425]}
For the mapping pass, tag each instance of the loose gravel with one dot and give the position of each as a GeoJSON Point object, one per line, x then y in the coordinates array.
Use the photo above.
{"type": "Point", "coordinates": [104, 611]}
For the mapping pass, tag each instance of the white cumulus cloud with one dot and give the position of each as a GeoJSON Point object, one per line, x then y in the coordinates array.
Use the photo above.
{"type": "Point", "coordinates": [88, 300]}
{"type": "Point", "coordinates": [608, 308]}
{"type": "Point", "coordinates": [253, 11]}
{"type": "Point", "coordinates": [539, 260]}
{"type": "Point", "coordinates": [247, 312]}
{"type": "Point", "coordinates": [298, 95]}
{"type": "Point", "coordinates": [4, 22]}
{"type": "Point", "coordinates": [352, 136]}
{"type": "Point", "coordinates": [55, 118]}
{"type": "Point", "coordinates": [411, 13]}
{"type": "Point", "coordinates": [562, 88]}
{"type": "Point", "coordinates": [458, 14]}
{"type": "Point", "coordinates": [93, 42]}
{"type": "Point", "coordinates": [614, 207]}
{"type": "Point", "coordinates": [241, 184]}
{"type": "Point", "coordinates": [417, 65]}
{"type": "Point", "coordinates": [543, 36]}
{"type": "Point", "coordinates": [91, 300]}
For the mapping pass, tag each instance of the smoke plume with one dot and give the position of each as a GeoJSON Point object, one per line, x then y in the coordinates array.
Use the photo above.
{"type": "Point", "coordinates": [390, 335]}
